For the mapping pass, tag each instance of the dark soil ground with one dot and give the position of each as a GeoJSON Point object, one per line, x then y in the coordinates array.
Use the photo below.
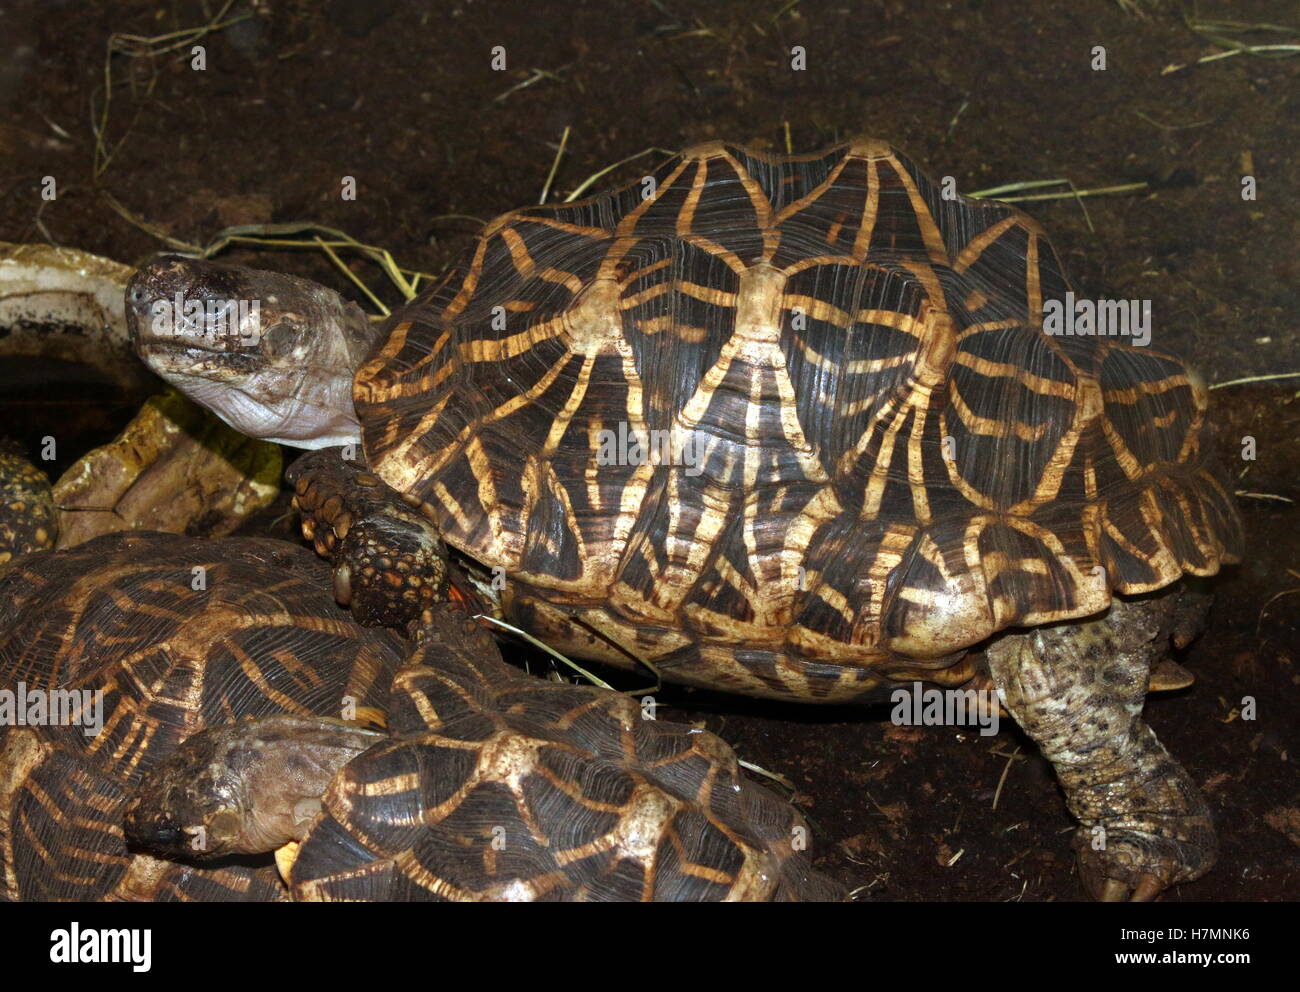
{"type": "Point", "coordinates": [402, 96]}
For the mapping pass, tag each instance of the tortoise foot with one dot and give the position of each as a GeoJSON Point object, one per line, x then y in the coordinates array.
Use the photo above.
{"type": "Point", "coordinates": [1145, 825]}
{"type": "Point", "coordinates": [389, 563]}
{"type": "Point", "coordinates": [1131, 863]}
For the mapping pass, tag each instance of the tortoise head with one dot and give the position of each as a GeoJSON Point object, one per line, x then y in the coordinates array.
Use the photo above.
{"type": "Point", "coordinates": [245, 788]}
{"type": "Point", "coordinates": [271, 354]}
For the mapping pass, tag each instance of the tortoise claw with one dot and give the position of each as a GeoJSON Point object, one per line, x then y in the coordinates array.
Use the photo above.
{"type": "Point", "coordinates": [1117, 891]}
{"type": "Point", "coordinates": [284, 858]}
{"type": "Point", "coordinates": [1138, 867]}
{"type": "Point", "coordinates": [1114, 891]}
{"type": "Point", "coordinates": [1148, 887]}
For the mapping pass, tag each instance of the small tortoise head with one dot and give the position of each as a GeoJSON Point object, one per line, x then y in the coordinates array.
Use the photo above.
{"type": "Point", "coordinates": [246, 788]}
{"type": "Point", "coordinates": [190, 806]}
{"type": "Point", "coordinates": [272, 355]}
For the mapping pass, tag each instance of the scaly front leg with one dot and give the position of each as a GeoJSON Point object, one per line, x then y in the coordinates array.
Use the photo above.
{"type": "Point", "coordinates": [389, 563]}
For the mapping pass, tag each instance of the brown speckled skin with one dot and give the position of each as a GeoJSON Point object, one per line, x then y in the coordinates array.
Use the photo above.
{"type": "Point", "coordinates": [1078, 689]}
{"type": "Point", "coordinates": [28, 520]}
{"type": "Point", "coordinates": [389, 562]}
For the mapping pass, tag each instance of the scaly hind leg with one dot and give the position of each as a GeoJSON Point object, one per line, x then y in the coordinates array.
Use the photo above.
{"type": "Point", "coordinates": [1078, 690]}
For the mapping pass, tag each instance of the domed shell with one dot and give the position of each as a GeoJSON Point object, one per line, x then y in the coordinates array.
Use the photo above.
{"type": "Point", "coordinates": [789, 426]}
